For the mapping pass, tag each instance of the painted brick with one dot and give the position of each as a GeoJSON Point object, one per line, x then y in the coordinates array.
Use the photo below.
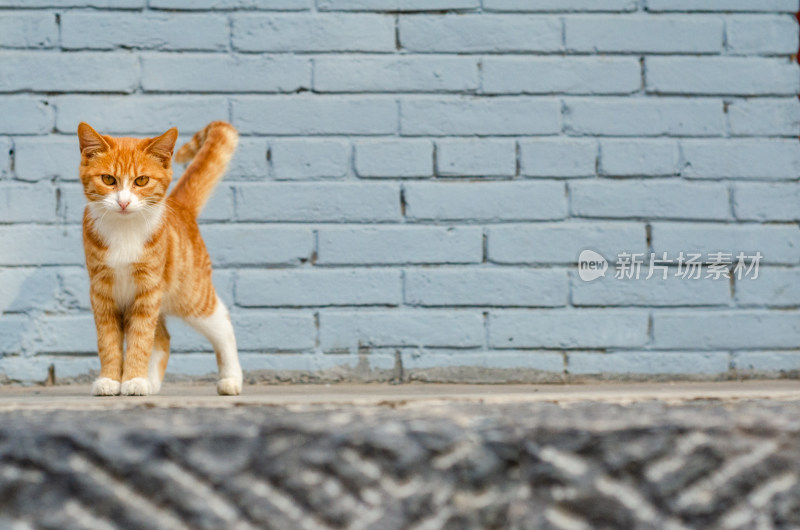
{"type": "Point", "coordinates": [310, 159]}
{"type": "Point", "coordinates": [479, 33]}
{"type": "Point", "coordinates": [721, 75]}
{"type": "Point", "coordinates": [756, 329]}
{"type": "Point", "coordinates": [396, 74]}
{"type": "Point", "coordinates": [766, 202]}
{"type": "Point", "coordinates": [139, 115]}
{"type": "Point", "coordinates": [766, 361]}
{"type": "Point", "coordinates": [648, 362]}
{"type": "Point", "coordinates": [196, 5]}
{"type": "Point", "coordinates": [788, 6]}
{"type": "Point", "coordinates": [105, 31]}
{"type": "Point", "coordinates": [225, 285]}
{"type": "Point", "coordinates": [395, 5]}
{"type": "Point", "coordinates": [67, 72]}
{"type": "Point", "coordinates": [560, 5]}
{"type": "Point", "coordinates": [204, 364]}
{"type": "Point", "coordinates": [751, 158]}
{"type": "Point", "coordinates": [232, 73]}
{"type": "Point", "coordinates": [656, 291]}
{"type": "Point", "coordinates": [282, 115]}
{"type": "Point", "coordinates": [562, 243]}
{"type": "Point", "coordinates": [249, 161]}
{"type": "Point", "coordinates": [46, 157]}
{"type": "Point", "coordinates": [108, 4]}
{"type": "Point", "coordinates": [41, 245]}
{"type": "Point", "coordinates": [219, 207]}
{"type": "Point", "coordinates": [774, 287]}
{"type": "Point", "coordinates": [764, 117]}
{"type": "Point", "coordinates": [260, 331]}
{"type": "Point", "coordinates": [658, 199]}
{"type": "Point", "coordinates": [399, 245]}
{"type": "Point", "coordinates": [35, 369]}
{"type": "Point", "coordinates": [26, 115]}
{"type": "Point", "coordinates": [485, 201]}
{"type": "Point", "coordinates": [645, 34]}
{"type": "Point", "coordinates": [777, 244]}
{"type": "Point", "coordinates": [5, 157]}
{"type": "Point", "coordinates": [474, 78]}
{"type": "Point", "coordinates": [394, 158]}
{"type": "Point", "coordinates": [321, 287]}
{"type": "Point", "coordinates": [28, 30]}
{"type": "Point", "coordinates": [25, 203]}
{"type": "Point", "coordinates": [10, 333]}
{"type": "Point", "coordinates": [318, 201]}
{"type": "Point", "coordinates": [479, 116]}
{"type": "Point", "coordinates": [558, 328]}
{"type": "Point", "coordinates": [71, 202]}
{"type": "Point", "coordinates": [634, 158]}
{"type": "Point", "coordinates": [750, 34]}
{"type": "Point", "coordinates": [257, 244]}
{"type": "Point", "coordinates": [28, 289]}
{"type": "Point", "coordinates": [486, 287]}
{"type": "Point", "coordinates": [557, 157]}
{"type": "Point", "coordinates": [573, 75]}
{"type": "Point", "coordinates": [314, 33]}
{"type": "Point", "coordinates": [63, 334]}
{"type": "Point", "coordinates": [355, 330]}
{"type": "Point", "coordinates": [552, 362]}
{"type": "Point", "coordinates": [74, 289]}
{"type": "Point", "coordinates": [476, 158]}
{"type": "Point", "coordinates": [644, 117]}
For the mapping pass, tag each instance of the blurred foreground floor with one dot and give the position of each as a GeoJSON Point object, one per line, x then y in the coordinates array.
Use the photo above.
{"type": "Point", "coordinates": [683, 455]}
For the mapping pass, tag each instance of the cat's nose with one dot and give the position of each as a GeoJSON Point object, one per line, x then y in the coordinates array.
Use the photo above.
{"type": "Point", "coordinates": [123, 205]}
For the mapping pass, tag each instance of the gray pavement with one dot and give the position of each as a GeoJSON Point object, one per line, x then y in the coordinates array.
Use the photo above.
{"type": "Point", "coordinates": [683, 455]}
{"type": "Point", "coordinates": [188, 395]}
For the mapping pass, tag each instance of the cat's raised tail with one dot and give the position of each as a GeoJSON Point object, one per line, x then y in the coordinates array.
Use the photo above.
{"type": "Point", "coordinates": [210, 150]}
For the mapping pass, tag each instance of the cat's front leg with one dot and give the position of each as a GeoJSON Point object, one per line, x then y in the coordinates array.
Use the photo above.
{"type": "Point", "coordinates": [140, 329]}
{"type": "Point", "coordinates": [109, 338]}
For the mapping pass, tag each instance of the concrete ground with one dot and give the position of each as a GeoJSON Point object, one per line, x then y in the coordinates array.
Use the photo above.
{"type": "Point", "coordinates": [608, 455]}
{"type": "Point", "coordinates": [188, 395]}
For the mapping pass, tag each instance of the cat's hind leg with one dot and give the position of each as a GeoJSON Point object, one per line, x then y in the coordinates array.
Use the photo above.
{"type": "Point", "coordinates": [218, 329]}
{"type": "Point", "coordinates": [157, 365]}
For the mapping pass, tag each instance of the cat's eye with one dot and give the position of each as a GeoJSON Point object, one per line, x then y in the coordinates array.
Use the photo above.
{"type": "Point", "coordinates": [141, 181]}
{"type": "Point", "coordinates": [108, 180]}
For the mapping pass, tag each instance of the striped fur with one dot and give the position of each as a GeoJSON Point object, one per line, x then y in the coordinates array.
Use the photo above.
{"type": "Point", "coordinates": [148, 259]}
{"type": "Point", "coordinates": [210, 150]}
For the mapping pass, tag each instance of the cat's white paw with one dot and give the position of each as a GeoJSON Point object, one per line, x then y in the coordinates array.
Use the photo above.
{"type": "Point", "coordinates": [229, 386]}
{"type": "Point", "coordinates": [138, 386]}
{"type": "Point", "coordinates": [105, 386]}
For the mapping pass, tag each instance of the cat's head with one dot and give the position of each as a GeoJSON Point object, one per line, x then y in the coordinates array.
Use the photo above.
{"type": "Point", "coordinates": [124, 176]}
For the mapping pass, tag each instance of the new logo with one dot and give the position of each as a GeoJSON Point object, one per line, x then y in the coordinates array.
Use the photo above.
{"type": "Point", "coordinates": [591, 265]}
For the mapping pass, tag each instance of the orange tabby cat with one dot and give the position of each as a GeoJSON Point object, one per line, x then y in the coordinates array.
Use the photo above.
{"type": "Point", "coordinates": [146, 257]}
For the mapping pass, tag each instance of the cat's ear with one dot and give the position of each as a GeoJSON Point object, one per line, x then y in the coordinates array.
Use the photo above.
{"type": "Point", "coordinates": [162, 146]}
{"type": "Point", "coordinates": [91, 141]}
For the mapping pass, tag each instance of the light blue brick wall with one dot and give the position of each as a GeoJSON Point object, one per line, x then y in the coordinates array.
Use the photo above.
{"type": "Point", "coordinates": [416, 178]}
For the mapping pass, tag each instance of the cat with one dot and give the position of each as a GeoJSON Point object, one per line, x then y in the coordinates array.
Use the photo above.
{"type": "Point", "coordinates": [145, 256]}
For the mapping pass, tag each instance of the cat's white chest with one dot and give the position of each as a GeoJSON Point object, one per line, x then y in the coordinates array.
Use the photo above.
{"type": "Point", "coordinates": [121, 254]}
{"type": "Point", "coordinates": [125, 240]}
{"type": "Point", "coordinates": [124, 290]}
